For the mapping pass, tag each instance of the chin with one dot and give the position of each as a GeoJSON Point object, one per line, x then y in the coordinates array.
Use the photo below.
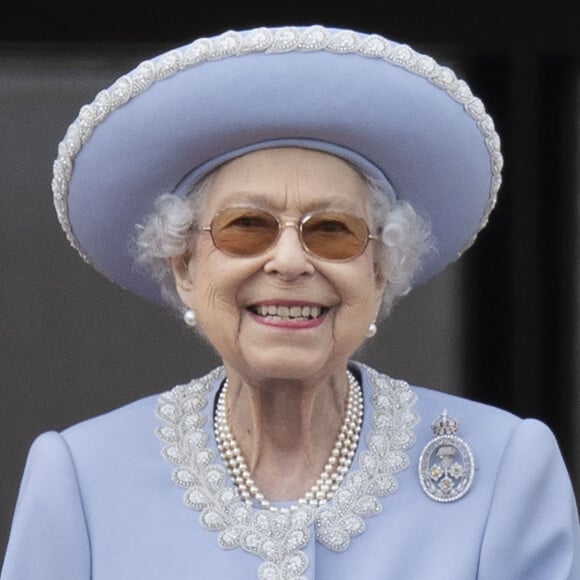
{"type": "Point", "coordinates": [292, 364]}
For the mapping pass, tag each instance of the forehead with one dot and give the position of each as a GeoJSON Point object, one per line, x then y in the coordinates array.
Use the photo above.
{"type": "Point", "coordinates": [287, 178]}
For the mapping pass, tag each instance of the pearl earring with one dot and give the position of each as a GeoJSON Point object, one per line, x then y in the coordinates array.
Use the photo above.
{"type": "Point", "coordinates": [190, 318]}
{"type": "Point", "coordinates": [372, 330]}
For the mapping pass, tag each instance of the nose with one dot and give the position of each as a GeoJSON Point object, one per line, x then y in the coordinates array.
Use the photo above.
{"type": "Point", "coordinates": [287, 257]}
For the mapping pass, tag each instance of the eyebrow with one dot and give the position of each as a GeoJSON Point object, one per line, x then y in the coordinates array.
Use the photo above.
{"type": "Point", "coordinates": [265, 201]}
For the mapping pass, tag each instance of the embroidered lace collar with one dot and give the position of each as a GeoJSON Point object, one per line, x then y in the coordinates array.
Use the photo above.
{"type": "Point", "coordinates": [279, 537]}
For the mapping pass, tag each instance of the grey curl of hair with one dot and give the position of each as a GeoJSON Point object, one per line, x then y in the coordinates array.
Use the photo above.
{"type": "Point", "coordinates": [406, 239]}
{"type": "Point", "coordinates": [166, 233]}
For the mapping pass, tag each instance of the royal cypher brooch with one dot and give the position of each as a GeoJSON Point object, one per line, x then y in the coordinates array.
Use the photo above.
{"type": "Point", "coordinates": [446, 466]}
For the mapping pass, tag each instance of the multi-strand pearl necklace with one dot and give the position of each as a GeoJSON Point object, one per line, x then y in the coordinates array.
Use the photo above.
{"type": "Point", "coordinates": [334, 471]}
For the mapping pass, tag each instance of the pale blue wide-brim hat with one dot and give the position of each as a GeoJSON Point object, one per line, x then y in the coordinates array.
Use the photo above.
{"type": "Point", "coordinates": [394, 112]}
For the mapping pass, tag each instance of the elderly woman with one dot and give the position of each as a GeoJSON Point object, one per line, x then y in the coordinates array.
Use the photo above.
{"type": "Point", "coordinates": [285, 187]}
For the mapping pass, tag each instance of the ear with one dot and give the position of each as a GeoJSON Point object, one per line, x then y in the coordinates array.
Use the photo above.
{"type": "Point", "coordinates": [380, 286]}
{"type": "Point", "coordinates": [182, 273]}
{"type": "Point", "coordinates": [380, 277]}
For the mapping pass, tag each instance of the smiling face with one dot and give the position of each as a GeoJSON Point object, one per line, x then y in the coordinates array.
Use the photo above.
{"type": "Point", "coordinates": [283, 313]}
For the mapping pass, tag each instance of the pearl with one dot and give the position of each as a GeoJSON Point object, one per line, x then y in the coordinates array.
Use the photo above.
{"type": "Point", "coordinates": [333, 471]}
{"type": "Point", "coordinates": [190, 318]}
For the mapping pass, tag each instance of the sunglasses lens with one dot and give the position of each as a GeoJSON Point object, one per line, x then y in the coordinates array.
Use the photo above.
{"type": "Point", "coordinates": [335, 236]}
{"type": "Point", "coordinates": [244, 231]}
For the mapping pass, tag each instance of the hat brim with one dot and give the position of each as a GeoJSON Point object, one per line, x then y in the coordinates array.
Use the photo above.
{"type": "Point", "coordinates": [395, 113]}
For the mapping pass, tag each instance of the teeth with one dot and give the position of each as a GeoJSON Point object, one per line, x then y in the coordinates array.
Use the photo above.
{"type": "Point", "coordinates": [289, 312]}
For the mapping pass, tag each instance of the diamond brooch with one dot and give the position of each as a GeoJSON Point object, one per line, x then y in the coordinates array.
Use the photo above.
{"type": "Point", "coordinates": [446, 466]}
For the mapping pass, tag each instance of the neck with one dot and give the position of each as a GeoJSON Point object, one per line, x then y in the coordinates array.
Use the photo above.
{"type": "Point", "coordinates": [286, 430]}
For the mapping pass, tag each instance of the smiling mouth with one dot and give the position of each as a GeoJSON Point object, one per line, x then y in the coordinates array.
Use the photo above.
{"type": "Point", "coordinates": [288, 313]}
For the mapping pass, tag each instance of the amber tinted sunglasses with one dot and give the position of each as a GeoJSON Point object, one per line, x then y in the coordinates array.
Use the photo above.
{"type": "Point", "coordinates": [243, 231]}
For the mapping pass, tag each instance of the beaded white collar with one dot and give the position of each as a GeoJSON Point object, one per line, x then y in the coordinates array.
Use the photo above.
{"type": "Point", "coordinates": [279, 537]}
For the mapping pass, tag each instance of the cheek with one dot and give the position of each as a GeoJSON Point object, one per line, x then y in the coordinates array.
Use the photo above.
{"type": "Point", "coordinates": [359, 303]}
{"type": "Point", "coordinates": [214, 293]}
{"type": "Point", "coordinates": [218, 283]}
{"type": "Point", "coordinates": [217, 314]}
{"type": "Point", "coordinates": [363, 288]}
{"type": "Point", "coordinates": [209, 298]}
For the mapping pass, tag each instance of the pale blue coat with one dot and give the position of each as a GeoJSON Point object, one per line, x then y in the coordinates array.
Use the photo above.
{"type": "Point", "coordinates": [97, 503]}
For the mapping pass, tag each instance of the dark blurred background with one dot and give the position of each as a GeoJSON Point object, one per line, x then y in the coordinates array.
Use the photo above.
{"type": "Point", "coordinates": [501, 325]}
